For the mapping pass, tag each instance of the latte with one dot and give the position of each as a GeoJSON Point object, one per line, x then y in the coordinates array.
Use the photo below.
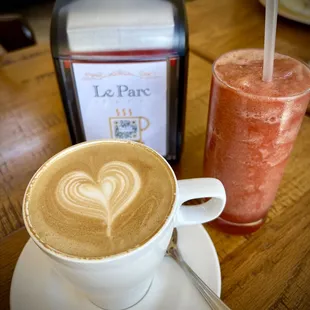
{"type": "Point", "coordinates": [99, 198]}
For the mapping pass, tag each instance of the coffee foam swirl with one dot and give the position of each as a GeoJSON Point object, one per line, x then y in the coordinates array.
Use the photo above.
{"type": "Point", "coordinates": [105, 198]}
{"type": "Point", "coordinates": [99, 198]}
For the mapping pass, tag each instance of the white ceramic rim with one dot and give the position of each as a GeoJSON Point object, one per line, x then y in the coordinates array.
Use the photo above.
{"type": "Point", "coordinates": [112, 257]}
{"type": "Point", "coordinates": [18, 273]}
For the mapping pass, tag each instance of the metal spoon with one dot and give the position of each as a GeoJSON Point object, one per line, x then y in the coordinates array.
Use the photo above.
{"type": "Point", "coordinates": [211, 298]}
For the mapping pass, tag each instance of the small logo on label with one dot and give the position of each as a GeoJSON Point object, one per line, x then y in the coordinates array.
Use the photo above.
{"type": "Point", "coordinates": [128, 127]}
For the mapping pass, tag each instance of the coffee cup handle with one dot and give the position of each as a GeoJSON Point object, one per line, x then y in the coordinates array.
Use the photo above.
{"type": "Point", "coordinates": [147, 123]}
{"type": "Point", "coordinates": [205, 212]}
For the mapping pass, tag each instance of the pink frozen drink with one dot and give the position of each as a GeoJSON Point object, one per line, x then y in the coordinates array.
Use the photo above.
{"type": "Point", "coordinates": [251, 131]}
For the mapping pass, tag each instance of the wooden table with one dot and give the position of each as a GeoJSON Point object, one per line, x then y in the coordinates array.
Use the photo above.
{"type": "Point", "coordinates": [219, 26]}
{"type": "Point", "coordinates": [267, 270]}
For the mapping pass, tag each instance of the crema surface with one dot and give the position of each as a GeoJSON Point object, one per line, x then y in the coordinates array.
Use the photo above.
{"type": "Point", "coordinates": [100, 199]}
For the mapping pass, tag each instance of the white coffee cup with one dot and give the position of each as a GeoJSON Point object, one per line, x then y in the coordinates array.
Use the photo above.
{"type": "Point", "coordinates": [120, 281]}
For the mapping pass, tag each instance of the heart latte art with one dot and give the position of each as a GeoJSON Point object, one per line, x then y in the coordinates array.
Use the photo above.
{"type": "Point", "coordinates": [100, 198]}
{"type": "Point", "coordinates": [116, 186]}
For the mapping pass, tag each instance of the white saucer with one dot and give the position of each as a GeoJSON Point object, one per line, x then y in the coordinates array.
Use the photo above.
{"type": "Point", "coordinates": [36, 286]}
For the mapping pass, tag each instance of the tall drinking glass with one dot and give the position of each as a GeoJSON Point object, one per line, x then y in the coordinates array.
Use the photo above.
{"type": "Point", "coordinates": [252, 127]}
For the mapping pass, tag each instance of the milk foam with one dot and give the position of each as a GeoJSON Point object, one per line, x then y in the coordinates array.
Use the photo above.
{"type": "Point", "coordinates": [99, 199]}
{"type": "Point", "coordinates": [105, 198]}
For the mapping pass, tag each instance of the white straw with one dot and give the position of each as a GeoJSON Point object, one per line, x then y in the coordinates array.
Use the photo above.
{"type": "Point", "coordinates": [270, 38]}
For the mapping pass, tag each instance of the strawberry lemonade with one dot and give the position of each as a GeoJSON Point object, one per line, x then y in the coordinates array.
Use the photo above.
{"type": "Point", "coordinates": [251, 131]}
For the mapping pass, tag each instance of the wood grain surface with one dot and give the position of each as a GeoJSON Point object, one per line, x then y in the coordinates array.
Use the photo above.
{"type": "Point", "coordinates": [219, 26]}
{"type": "Point", "coordinates": [10, 249]}
{"type": "Point", "coordinates": [267, 270]}
{"type": "Point", "coordinates": [271, 270]}
{"type": "Point", "coordinates": [32, 126]}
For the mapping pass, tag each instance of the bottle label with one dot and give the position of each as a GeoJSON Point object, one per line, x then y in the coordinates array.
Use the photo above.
{"type": "Point", "coordinates": [124, 101]}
